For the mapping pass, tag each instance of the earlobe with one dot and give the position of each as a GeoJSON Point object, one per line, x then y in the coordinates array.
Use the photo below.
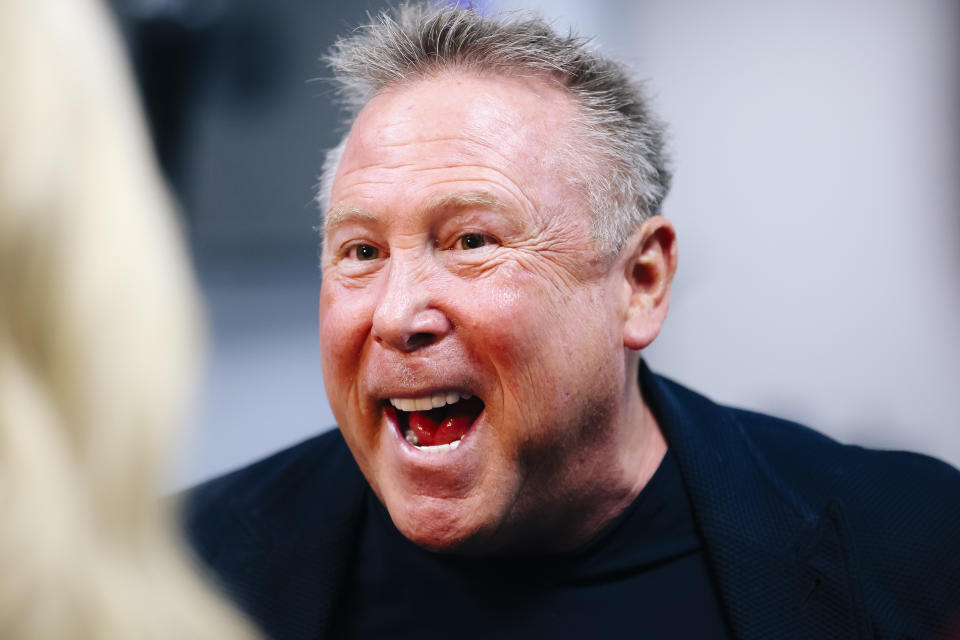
{"type": "Point", "coordinates": [651, 261]}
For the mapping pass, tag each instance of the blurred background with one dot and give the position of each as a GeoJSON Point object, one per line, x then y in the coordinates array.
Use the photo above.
{"type": "Point", "coordinates": [816, 153]}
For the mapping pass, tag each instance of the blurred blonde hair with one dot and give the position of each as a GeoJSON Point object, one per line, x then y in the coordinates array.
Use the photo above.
{"type": "Point", "coordinates": [98, 336]}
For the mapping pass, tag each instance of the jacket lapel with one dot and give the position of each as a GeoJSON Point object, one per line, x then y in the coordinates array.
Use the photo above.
{"type": "Point", "coordinates": [783, 568]}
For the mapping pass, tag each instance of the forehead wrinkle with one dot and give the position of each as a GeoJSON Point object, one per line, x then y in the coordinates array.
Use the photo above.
{"type": "Point", "coordinates": [432, 140]}
{"type": "Point", "coordinates": [373, 164]}
{"type": "Point", "coordinates": [511, 186]}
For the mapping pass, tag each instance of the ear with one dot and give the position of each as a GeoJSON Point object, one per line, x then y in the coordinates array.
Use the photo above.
{"type": "Point", "coordinates": [649, 262]}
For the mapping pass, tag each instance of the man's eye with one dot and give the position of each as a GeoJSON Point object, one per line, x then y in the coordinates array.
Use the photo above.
{"type": "Point", "coordinates": [472, 240]}
{"type": "Point", "coordinates": [366, 252]}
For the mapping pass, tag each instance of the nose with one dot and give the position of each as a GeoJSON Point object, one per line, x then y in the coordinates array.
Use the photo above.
{"type": "Point", "coordinates": [406, 317]}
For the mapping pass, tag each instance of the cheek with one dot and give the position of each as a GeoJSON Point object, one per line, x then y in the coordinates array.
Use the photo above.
{"type": "Point", "coordinates": [520, 325]}
{"type": "Point", "coordinates": [526, 319]}
{"type": "Point", "coordinates": [344, 321]}
{"type": "Point", "coordinates": [503, 316]}
{"type": "Point", "coordinates": [551, 346]}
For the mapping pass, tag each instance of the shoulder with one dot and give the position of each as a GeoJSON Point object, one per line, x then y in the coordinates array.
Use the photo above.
{"type": "Point", "coordinates": [816, 465]}
{"type": "Point", "coordinates": [274, 487]}
{"type": "Point", "coordinates": [246, 486]}
{"type": "Point", "coordinates": [275, 535]}
{"type": "Point", "coordinates": [899, 515]}
{"type": "Point", "coordinates": [894, 515]}
{"type": "Point", "coordinates": [819, 465]}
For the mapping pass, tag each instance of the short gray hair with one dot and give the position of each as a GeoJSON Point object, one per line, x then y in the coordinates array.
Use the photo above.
{"type": "Point", "coordinates": [626, 177]}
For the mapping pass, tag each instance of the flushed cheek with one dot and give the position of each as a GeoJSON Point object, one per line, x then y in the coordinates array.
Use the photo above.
{"type": "Point", "coordinates": [504, 308]}
{"type": "Point", "coordinates": [343, 327]}
{"type": "Point", "coordinates": [526, 319]}
{"type": "Point", "coordinates": [344, 323]}
{"type": "Point", "coordinates": [547, 357]}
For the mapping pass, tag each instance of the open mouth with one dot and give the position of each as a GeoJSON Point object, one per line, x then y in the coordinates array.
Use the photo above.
{"type": "Point", "coordinates": [438, 422]}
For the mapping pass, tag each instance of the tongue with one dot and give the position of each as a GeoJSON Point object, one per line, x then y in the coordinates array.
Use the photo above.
{"type": "Point", "coordinates": [442, 426]}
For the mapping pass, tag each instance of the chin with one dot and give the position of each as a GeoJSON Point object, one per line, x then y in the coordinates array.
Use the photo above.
{"type": "Point", "coordinates": [439, 525]}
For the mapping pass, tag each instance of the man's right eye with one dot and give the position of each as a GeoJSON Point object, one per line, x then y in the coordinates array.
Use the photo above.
{"type": "Point", "coordinates": [365, 252]}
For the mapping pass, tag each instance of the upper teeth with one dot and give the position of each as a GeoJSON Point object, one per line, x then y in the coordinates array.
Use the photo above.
{"type": "Point", "coordinates": [426, 403]}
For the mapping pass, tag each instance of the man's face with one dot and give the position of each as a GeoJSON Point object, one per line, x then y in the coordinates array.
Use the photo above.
{"type": "Point", "coordinates": [458, 262]}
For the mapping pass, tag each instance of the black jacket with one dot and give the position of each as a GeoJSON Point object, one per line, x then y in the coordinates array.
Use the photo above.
{"type": "Point", "coordinates": [807, 538]}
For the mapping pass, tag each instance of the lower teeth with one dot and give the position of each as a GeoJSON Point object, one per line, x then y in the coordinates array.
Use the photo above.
{"type": "Point", "coordinates": [439, 448]}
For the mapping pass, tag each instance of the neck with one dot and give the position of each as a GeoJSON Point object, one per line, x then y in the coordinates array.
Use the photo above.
{"type": "Point", "coordinates": [636, 456]}
{"type": "Point", "coordinates": [631, 455]}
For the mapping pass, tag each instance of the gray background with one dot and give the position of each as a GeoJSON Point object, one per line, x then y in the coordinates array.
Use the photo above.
{"type": "Point", "coordinates": [816, 198]}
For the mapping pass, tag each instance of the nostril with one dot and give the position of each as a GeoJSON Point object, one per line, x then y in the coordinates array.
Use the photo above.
{"type": "Point", "coordinates": [421, 339]}
{"type": "Point", "coordinates": [408, 324]}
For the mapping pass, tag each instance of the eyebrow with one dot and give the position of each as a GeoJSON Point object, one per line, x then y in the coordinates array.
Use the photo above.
{"type": "Point", "coordinates": [466, 200]}
{"type": "Point", "coordinates": [340, 215]}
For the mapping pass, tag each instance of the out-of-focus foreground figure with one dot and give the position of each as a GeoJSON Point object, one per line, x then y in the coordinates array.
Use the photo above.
{"type": "Point", "coordinates": [98, 335]}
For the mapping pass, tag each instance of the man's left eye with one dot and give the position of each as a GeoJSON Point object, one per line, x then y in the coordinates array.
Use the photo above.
{"type": "Point", "coordinates": [472, 241]}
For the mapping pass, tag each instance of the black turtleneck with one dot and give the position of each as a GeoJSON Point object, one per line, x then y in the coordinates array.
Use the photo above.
{"type": "Point", "coordinates": [644, 576]}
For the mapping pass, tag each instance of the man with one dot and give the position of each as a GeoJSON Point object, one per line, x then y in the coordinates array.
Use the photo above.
{"type": "Point", "coordinates": [493, 263]}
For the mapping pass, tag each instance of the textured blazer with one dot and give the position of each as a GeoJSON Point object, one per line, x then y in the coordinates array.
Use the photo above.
{"type": "Point", "coordinates": [806, 537]}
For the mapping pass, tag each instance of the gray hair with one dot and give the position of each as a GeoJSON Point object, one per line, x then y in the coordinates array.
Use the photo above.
{"type": "Point", "coordinates": [626, 177]}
